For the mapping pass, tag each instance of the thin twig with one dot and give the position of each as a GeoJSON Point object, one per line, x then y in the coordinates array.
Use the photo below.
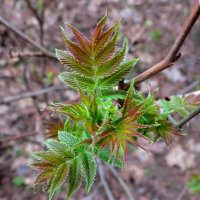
{"type": "Point", "coordinates": [10, 99]}
{"type": "Point", "coordinates": [26, 38]}
{"type": "Point", "coordinates": [18, 137]}
{"type": "Point", "coordinates": [26, 77]}
{"type": "Point", "coordinates": [173, 54]}
{"type": "Point", "coordinates": [34, 11]}
{"type": "Point", "coordinates": [122, 183]}
{"type": "Point", "coordinates": [93, 194]}
{"type": "Point", "coordinates": [189, 88]}
{"type": "Point", "coordinates": [21, 54]}
{"type": "Point", "coordinates": [182, 193]}
{"type": "Point", "coordinates": [103, 181]}
{"type": "Point", "coordinates": [188, 118]}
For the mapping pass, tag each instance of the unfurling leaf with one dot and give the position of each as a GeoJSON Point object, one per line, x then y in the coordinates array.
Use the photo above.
{"type": "Point", "coordinates": [52, 127]}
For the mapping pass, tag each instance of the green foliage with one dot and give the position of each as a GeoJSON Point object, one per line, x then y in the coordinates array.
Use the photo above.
{"type": "Point", "coordinates": [194, 183]}
{"type": "Point", "coordinates": [180, 105]}
{"type": "Point", "coordinates": [18, 181]}
{"type": "Point", "coordinates": [96, 127]}
{"type": "Point", "coordinates": [149, 23]}
{"type": "Point", "coordinates": [156, 35]}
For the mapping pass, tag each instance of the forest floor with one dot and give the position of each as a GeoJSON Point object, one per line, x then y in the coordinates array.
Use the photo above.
{"type": "Point", "coordinates": [151, 27]}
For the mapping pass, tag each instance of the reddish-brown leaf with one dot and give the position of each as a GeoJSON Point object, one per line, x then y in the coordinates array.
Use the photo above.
{"type": "Point", "coordinates": [98, 30]}
{"type": "Point", "coordinates": [105, 37]}
{"type": "Point", "coordinates": [82, 39]}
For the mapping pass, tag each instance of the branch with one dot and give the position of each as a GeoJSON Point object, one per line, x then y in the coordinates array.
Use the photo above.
{"type": "Point", "coordinates": [188, 118]}
{"type": "Point", "coordinates": [122, 183]}
{"type": "Point", "coordinates": [173, 54]}
{"type": "Point", "coordinates": [34, 11]}
{"type": "Point", "coordinates": [10, 99]}
{"type": "Point", "coordinates": [103, 181]}
{"type": "Point", "coordinates": [22, 54]}
{"type": "Point", "coordinates": [19, 136]}
{"type": "Point", "coordinates": [189, 88]}
{"type": "Point", "coordinates": [26, 38]}
{"type": "Point", "coordinates": [182, 193]}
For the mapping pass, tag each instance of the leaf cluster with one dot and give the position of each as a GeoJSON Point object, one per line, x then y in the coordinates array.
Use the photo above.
{"type": "Point", "coordinates": [97, 127]}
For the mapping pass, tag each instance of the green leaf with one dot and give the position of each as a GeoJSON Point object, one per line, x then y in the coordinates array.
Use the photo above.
{"type": "Point", "coordinates": [18, 181]}
{"type": "Point", "coordinates": [113, 94]}
{"type": "Point", "coordinates": [178, 105]}
{"type": "Point", "coordinates": [73, 64]}
{"type": "Point", "coordinates": [59, 176]}
{"type": "Point", "coordinates": [110, 159]}
{"type": "Point", "coordinates": [194, 183]}
{"type": "Point", "coordinates": [114, 78]}
{"type": "Point", "coordinates": [128, 103]}
{"type": "Point", "coordinates": [76, 112]}
{"type": "Point", "coordinates": [74, 80]}
{"type": "Point", "coordinates": [113, 64]}
{"type": "Point", "coordinates": [75, 177]}
{"type": "Point", "coordinates": [47, 156]}
{"type": "Point", "coordinates": [59, 148]}
{"type": "Point", "coordinates": [89, 167]}
{"type": "Point", "coordinates": [94, 108]}
{"type": "Point", "coordinates": [68, 138]}
{"type": "Point", "coordinates": [156, 35]}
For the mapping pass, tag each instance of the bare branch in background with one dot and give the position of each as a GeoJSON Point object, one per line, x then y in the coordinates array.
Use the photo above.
{"type": "Point", "coordinates": [122, 183]}
{"type": "Point", "coordinates": [21, 54]}
{"type": "Point", "coordinates": [26, 38]}
{"type": "Point", "coordinates": [20, 136]}
{"type": "Point", "coordinates": [188, 118]}
{"type": "Point", "coordinates": [189, 88]}
{"type": "Point", "coordinates": [173, 54]}
{"type": "Point", "coordinates": [10, 99]}
{"type": "Point", "coordinates": [103, 181]}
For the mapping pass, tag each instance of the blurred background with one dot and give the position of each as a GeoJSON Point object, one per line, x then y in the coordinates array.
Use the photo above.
{"type": "Point", "coordinates": [28, 83]}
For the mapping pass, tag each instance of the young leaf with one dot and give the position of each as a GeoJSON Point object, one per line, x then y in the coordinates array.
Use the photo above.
{"type": "Point", "coordinates": [114, 78]}
{"type": "Point", "coordinates": [73, 64]}
{"type": "Point", "coordinates": [98, 30]}
{"type": "Point", "coordinates": [128, 103]}
{"type": "Point", "coordinates": [113, 64]}
{"type": "Point", "coordinates": [71, 79]}
{"type": "Point", "coordinates": [59, 148]}
{"type": "Point", "coordinates": [52, 127]}
{"type": "Point", "coordinates": [76, 112]}
{"type": "Point", "coordinates": [110, 159]}
{"type": "Point", "coordinates": [89, 169]}
{"type": "Point", "coordinates": [75, 177]}
{"type": "Point", "coordinates": [105, 37]}
{"type": "Point", "coordinates": [59, 176]}
{"type": "Point", "coordinates": [108, 50]}
{"type": "Point", "coordinates": [113, 94]}
{"type": "Point", "coordinates": [48, 156]}
{"type": "Point", "coordinates": [83, 41]}
{"type": "Point", "coordinates": [165, 130]}
{"type": "Point", "coordinates": [124, 131]}
{"type": "Point", "coordinates": [76, 51]}
{"type": "Point", "coordinates": [68, 138]}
